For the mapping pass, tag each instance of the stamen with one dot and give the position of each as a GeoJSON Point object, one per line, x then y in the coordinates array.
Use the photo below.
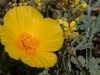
{"type": "Point", "coordinates": [28, 43]}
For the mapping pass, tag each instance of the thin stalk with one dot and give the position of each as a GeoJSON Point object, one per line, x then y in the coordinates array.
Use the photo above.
{"type": "Point", "coordinates": [63, 65]}
{"type": "Point", "coordinates": [66, 63]}
{"type": "Point", "coordinates": [90, 56]}
{"type": "Point", "coordinates": [27, 70]}
{"type": "Point", "coordinates": [87, 60]}
{"type": "Point", "coordinates": [79, 64]}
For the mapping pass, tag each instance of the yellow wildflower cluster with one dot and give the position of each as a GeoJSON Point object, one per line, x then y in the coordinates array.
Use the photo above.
{"type": "Point", "coordinates": [38, 2]}
{"type": "Point", "coordinates": [68, 28]}
{"type": "Point", "coordinates": [72, 3]}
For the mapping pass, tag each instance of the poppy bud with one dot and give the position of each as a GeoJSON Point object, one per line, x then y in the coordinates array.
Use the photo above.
{"type": "Point", "coordinates": [78, 13]}
{"type": "Point", "coordinates": [59, 53]}
{"type": "Point", "coordinates": [70, 52]}
{"type": "Point", "coordinates": [58, 5]}
{"type": "Point", "coordinates": [54, 15]}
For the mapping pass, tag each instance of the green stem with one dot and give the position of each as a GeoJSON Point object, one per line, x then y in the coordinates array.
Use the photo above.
{"type": "Point", "coordinates": [66, 61]}
{"type": "Point", "coordinates": [63, 65]}
{"type": "Point", "coordinates": [87, 60]}
{"type": "Point", "coordinates": [27, 70]}
{"type": "Point", "coordinates": [79, 64]}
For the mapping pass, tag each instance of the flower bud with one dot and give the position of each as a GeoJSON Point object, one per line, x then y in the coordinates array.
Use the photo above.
{"type": "Point", "coordinates": [70, 52]}
{"type": "Point", "coordinates": [78, 13]}
{"type": "Point", "coordinates": [58, 5]}
{"type": "Point", "coordinates": [59, 53]}
{"type": "Point", "coordinates": [54, 15]}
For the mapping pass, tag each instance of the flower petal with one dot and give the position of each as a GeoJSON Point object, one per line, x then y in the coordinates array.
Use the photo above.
{"type": "Point", "coordinates": [13, 51]}
{"type": "Point", "coordinates": [65, 24]}
{"type": "Point", "coordinates": [22, 18]}
{"type": "Point", "coordinates": [9, 40]}
{"type": "Point", "coordinates": [40, 59]}
{"type": "Point", "coordinates": [7, 36]}
{"type": "Point", "coordinates": [73, 25]}
{"type": "Point", "coordinates": [73, 28]}
{"type": "Point", "coordinates": [50, 35]}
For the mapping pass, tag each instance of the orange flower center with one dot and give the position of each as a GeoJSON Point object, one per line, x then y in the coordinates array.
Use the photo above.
{"type": "Point", "coordinates": [28, 43]}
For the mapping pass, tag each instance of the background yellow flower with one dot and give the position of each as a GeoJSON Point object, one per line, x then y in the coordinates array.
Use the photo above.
{"type": "Point", "coordinates": [73, 3]}
{"type": "Point", "coordinates": [69, 27]}
{"type": "Point", "coordinates": [83, 6]}
{"type": "Point", "coordinates": [31, 38]}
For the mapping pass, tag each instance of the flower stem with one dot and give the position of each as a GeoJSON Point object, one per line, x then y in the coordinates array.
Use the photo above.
{"type": "Point", "coordinates": [27, 70]}
{"type": "Point", "coordinates": [79, 64]}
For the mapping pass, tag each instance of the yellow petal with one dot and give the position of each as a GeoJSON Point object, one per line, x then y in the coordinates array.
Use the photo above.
{"type": "Point", "coordinates": [66, 28]}
{"type": "Point", "coordinates": [13, 51]}
{"type": "Point", "coordinates": [60, 21]}
{"type": "Point", "coordinates": [65, 24]}
{"type": "Point", "coordinates": [9, 40]}
{"type": "Point", "coordinates": [7, 36]}
{"type": "Point", "coordinates": [40, 60]}
{"type": "Point", "coordinates": [73, 25]}
{"type": "Point", "coordinates": [83, 6]}
{"type": "Point", "coordinates": [22, 18]}
{"type": "Point", "coordinates": [73, 28]}
{"type": "Point", "coordinates": [50, 35]}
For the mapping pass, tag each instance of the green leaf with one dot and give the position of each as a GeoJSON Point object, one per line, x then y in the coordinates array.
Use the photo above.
{"type": "Point", "coordinates": [82, 60]}
{"type": "Point", "coordinates": [97, 27]}
{"type": "Point", "coordinates": [94, 67]}
{"type": "Point", "coordinates": [69, 65]}
{"type": "Point", "coordinates": [45, 72]}
{"type": "Point", "coordinates": [73, 60]}
{"type": "Point", "coordinates": [83, 45]}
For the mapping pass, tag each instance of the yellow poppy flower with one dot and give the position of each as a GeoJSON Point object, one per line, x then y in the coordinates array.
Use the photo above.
{"type": "Point", "coordinates": [69, 27]}
{"type": "Point", "coordinates": [31, 38]}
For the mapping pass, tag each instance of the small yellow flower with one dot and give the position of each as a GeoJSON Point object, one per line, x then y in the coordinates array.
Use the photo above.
{"type": "Point", "coordinates": [83, 6]}
{"type": "Point", "coordinates": [38, 2]}
{"type": "Point", "coordinates": [69, 27]}
{"type": "Point", "coordinates": [73, 3]}
{"type": "Point", "coordinates": [31, 38]}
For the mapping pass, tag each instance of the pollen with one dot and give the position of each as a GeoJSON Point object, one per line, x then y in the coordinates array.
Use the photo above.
{"type": "Point", "coordinates": [28, 43]}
